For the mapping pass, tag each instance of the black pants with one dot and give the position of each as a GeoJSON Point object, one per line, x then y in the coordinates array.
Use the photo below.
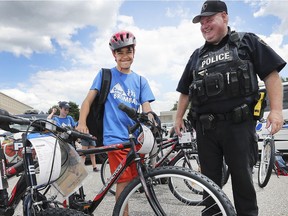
{"type": "Point", "coordinates": [238, 144]}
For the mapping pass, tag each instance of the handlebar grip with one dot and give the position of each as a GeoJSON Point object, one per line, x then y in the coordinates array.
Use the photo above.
{"type": "Point", "coordinates": [7, 118]}
{"type": "Point", "coordinates": [77, 134]}
{"type": "Point", "coordinates": [132, 113]}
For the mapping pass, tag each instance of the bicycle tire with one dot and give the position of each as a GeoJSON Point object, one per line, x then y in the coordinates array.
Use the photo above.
{"type": "Point", "coordinates": [60, 212]}
{"type": "Point", "coordinates": [193, 164]}
{"type": "Point", "coordinates": [267, 162]}
{"type": "Point", "coordinates": [105, 174]}
{"type": "Point", "coordinates": [139, 203]}
{"type": "Point", "coordinates": [225, 173]}
{"type": "Point", "coordinates": [180, 161]}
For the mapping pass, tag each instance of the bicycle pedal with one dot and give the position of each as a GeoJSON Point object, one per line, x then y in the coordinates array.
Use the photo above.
{"type": "Point", "coordinates": [80, 205]}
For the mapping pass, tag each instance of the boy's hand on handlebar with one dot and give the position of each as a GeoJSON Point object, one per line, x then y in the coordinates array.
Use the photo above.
{"type": "Point", "coordinates": [152, 119]}
{"type": "Point", "coordinates": [82, 128]}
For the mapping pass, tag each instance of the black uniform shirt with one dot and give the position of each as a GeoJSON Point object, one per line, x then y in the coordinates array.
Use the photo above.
{"type": "Point", "coordinates": [263, 57]}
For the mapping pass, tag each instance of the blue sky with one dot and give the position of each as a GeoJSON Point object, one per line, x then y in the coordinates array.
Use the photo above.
{"type": "Point", "coordinates": [52, 50]}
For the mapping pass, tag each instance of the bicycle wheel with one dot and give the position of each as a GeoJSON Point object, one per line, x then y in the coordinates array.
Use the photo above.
{"type": "Point", "coordinates": [194, 164]}
{"type": "Point", "coordinates": [105, 174]}
{"type": "Point", "coordinates": [188, 160]}
{"type": "Point", "coordinates": [266, 162]}
{"type": "Point", "coordinates": [215, 199]}
{"type": "Point", "coordinates": [60, 212]}
{"type": "Point", "coordinates": [225, 173]}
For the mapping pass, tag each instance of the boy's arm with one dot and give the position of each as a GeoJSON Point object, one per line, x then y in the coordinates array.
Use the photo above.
{"type": "Point", "coordinates": [146, 107]}
{"type": "Point", "coordinates": [54, 110]}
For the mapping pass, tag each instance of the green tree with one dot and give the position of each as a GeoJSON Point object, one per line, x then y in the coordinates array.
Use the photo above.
{"type": "Point", "coordinates": [175, 106]}
{"type": "Point", "coordinates": [74, 110]}
{"type": "Point", "coordinates": [284, 79]}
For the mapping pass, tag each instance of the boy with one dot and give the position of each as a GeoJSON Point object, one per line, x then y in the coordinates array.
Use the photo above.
{"type": "Point", "coordinates": [126, 87]}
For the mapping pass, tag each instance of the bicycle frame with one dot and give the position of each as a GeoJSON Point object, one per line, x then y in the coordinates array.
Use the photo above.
{"type": "Point", "coordinates": [173, 145]}
{"type": "Point", "coordinates": [27, 180]}
{"type": "Point", "coordinates": [26, 188]}
{"type": "Point", "coordinates": [131, 157]}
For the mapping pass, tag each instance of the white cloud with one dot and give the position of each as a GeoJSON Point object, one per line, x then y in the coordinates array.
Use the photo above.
{"type": "Point", "coordinates": [46, 88]}
{"type": "Point", "coordinates": [276, 8]}
{"type": "Point", "coordinates": [178, 11]}
{"type": "Point", "coordinates": [161, 53]}
{"type": "Point", "coordinates": [29, 26]}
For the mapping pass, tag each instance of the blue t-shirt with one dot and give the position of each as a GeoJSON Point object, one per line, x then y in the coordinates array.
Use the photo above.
{"type": "Point", "coordinates": [124, 88]}
{"type": "Point", "coordinates": [68, 121]}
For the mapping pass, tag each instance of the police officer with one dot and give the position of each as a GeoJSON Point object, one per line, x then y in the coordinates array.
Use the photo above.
{"type": "Point", "coordinates": [221, 83]}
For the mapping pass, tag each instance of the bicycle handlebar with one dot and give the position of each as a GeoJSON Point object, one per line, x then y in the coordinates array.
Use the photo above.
{"type": "Point", "coordinates": [78, 134]}
{"type": "Point", "coordinates": [154, 122]}
{"type": "Point", "coordinates": [132, 113]}
{"type": "Point", "coordinates": [6, 119]}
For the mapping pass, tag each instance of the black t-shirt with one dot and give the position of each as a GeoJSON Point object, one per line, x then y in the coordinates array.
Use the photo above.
{"type": "Point", "coordinates": [263, 57]}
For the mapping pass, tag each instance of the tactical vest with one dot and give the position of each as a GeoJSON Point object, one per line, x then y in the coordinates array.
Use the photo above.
{"type": "Point", "coordinates": [221, 75]}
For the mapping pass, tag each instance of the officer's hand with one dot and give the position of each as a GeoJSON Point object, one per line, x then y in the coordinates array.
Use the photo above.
{"type": "Point", "coordinates": [275, 120]}
{"type": "Point", "coordinates": [179, 125]}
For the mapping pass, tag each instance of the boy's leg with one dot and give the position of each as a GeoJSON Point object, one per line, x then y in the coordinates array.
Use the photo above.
{"type": "Point", "coordinates": [84, 156]}
{"type": "Point", "coordinates": [93, 159]}
{"type": "Point", "coordinates": [119, 188]}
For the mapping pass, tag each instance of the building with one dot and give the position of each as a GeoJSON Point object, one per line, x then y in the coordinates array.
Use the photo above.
{"type": "Point", "coordinates": [11, 105]}
{"type": "Point", "coordinates": [169, 117]}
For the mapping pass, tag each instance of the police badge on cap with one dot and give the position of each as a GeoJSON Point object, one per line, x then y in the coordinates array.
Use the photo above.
{"type": "Point", "coordinates": [210, 8]}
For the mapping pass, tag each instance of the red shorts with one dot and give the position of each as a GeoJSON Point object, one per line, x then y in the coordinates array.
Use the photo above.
{"type": "Point", "coordinates": [115, 157]}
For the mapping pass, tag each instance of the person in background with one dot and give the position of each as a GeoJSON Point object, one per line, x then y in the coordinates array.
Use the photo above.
{"type": "Point", "coordinates": [221, 83]}
{"type": "Point", "coordinates": [63, 120]}
{"type": "Point", "coordinates": [126, 87]}
{"type": "Point", "coordinates": [89, 144]}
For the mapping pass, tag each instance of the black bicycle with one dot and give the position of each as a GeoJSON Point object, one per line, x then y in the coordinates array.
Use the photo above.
{"type": "Point", "coordinates": [149, 193]}
{"type": "Point", "coordinates": [172, 152]}
{"type": "Point", "coordinates": [169, 152]}
{"type": "Point", "coordinates": [31, 189]}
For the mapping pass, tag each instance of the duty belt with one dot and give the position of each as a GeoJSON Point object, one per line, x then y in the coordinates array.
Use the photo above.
{"type": "Point", "coordinates": [238, 115]}
{"type": "Point", "coordinates": [223, 116]}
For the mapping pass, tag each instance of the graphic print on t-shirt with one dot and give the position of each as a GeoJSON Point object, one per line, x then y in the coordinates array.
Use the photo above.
{"type": "Point", "coordinates": [118, 93]}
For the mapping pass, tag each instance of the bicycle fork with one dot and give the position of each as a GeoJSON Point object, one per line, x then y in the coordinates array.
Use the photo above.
{"type": "Point", "coordinates": [30, 177]}
{"type": "Point", "coordinates": [149, 191]}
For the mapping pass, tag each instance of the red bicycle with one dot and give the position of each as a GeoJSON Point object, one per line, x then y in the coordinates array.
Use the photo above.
{"type": "Point", "coordinates": [148, 194]}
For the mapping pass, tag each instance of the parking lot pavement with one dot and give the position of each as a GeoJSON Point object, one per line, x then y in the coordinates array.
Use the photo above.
{"type": "Point", "coordinates": [272, 200]}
